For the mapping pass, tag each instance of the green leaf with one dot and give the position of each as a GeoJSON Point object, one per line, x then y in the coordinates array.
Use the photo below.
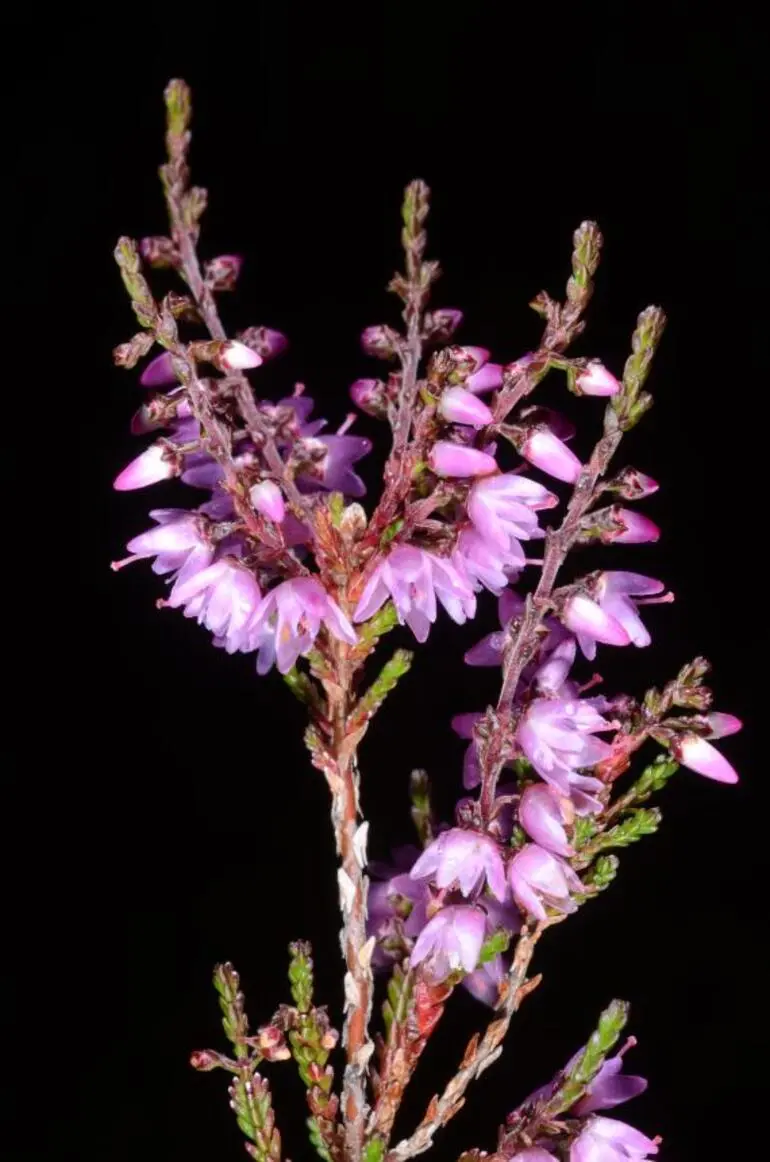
{"type": "Point", "coordinates": [497, 943]}
{"type": "Point", "coordinates": [301, 975]}
{"type": "Point", "coordinates": [602, 1040]}
{"type": "Point", "coordinates": [386, 680]}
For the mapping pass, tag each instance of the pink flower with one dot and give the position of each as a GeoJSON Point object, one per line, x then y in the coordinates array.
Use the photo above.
{"type": "Point", "coordinates": [542, 815]}
{"type": "Point", "coordinates": [503, 507]}
{"type": "Point", "coordinates": [591, 624]}
{"type": "Point", "coordinates": [287, 621]}
{"type": "Point", "coordinates": [154, 464]}
{"type": "Point", "coordinates": [538, 878]}
{"type": "Point", "coordinates": [414, 579]}
{"type": "Point", "coordinates": [557, 736]}
{"type": "Point", "coordinates": [159, 372]}
{"type": "Point", "coordinates": [460, 406]}
{"type": "Point", "coordinates": [452, 940]}
{"type": "Point", "coordinates": [458, 460]}
{"type": "Point", "coordinates": [613, 593]}
{"type": "Point", "coordinates": [607, 1140]}
{"type": "Point", "coordinates": [178, 543]}
{"type": "Point", "coordinates": [694, 752]}
{"type": "Point", "coordinates": [547, 452]}
{"type": "Point", "coordinates": [610, 1087]}
{"type": "Point", "coordinates": [596, 380]}
{"type": "Point", "coordinates": [267, 499]}
{"type": "Point", "coordinates": [723, 725]}
{"type": "Point", "coordinates": [380, 341]}
{"type": "Point", "coordinates": [465, 856]}
{"type": "Point", "coordinates": [224, 597]}
{"type": "Point", "coordinates": [485, 564]}
{"type": "Point", "coordinates": [533, 1154]}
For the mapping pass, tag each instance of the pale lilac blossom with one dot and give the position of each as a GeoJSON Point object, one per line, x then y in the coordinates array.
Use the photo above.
{"type": "Point", "coordinates": [156, 463]}
{"type": "Point", "coordinates": [288, 619]}
{"type": "Point", "coordinates": [463, 856]}
{"type": "Point", "coordinates": [267, 499]}
{"type": "Point", "coordinates": [503, 508]}
{"type": "Point", "coordinates": [539, 879]}
{"type": "Point", "coordinates": [542, 814]}
{"type": "Point", "coordinates": [224, 597]}
{"type": "Point", "coordinates": [459, 406]}
{"type": "Point", "coordinates": [607, 1140]}
{"type": "Point", "coordinates": [450, 941]}
{"type": "Point", "coordinates": [414, 579]}
{"type": "Point", "coordinates": [458, 460]}
{"type": "Point", "coordinates": [546, 451]}
{"type": "Point", "coordinates": [179, 544]}
{"type": "Point", "coordinates": [696, 753]}
{"type": "Point", "coordinates": [557, 736]}
{"type": "Point", "coordinates": [614, 593]}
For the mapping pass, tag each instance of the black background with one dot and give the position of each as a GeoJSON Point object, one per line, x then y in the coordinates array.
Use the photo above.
{"type": "Point", "coordinates": [163, 814]}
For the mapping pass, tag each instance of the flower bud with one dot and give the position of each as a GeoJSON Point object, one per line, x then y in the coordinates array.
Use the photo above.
{"type": "Point", "coordinates": [369, 396]}
{"type": "Point", "coordinates": [267, 499]}
{"type": "Point", "coordinates": [634, 485]}
{"type": "Point", "coordinates": [236, 356]}
{"type": "Point", "coordinates": [221, 273]}
{"type": "Point", "coordinates": [485, 379]}
{"type": "Point", "coordinates": [462, 407]}
{"type": "Point", "coordinates": [546, 451]}
{"type": "Point", "coordinates": [447, 459]}
{"type": "Point", "coordinates": [154, 464]}
{"type": "Point", "coordinates": [542, 817]}
{"type": "Point", "coordinates": [159, 372]}
{"type": "Point", "coordinates": [699, 755]}
{"type": "Point", "coordinates": [595, 379]}
{"type": "Point", "coordinates": [264, 340]}
{"type": "Point", "coordinates": [380, 341]}
{"type": "Point", "coordinates": [440, 325]}
{"type": "Point", "coordinates": [637, 528]}
{"type": "Point", "coordinates": [584, 616]}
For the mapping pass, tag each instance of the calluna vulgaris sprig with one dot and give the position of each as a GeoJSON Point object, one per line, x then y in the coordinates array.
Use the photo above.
{"type": "Point", "coordinates": [282, 561]}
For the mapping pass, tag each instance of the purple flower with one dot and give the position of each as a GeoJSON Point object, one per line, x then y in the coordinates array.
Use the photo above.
{"type": "Point", "coordinates": [694, 752]}
{"type": "Point", "coordinates": [342, 452]}
{"type": "Point", "coordinates": [414, 578]}
{"type": "Point", "coordinates": [542, 814]}
{"type": "Point", "coordinates": [503, 508]}
{"type": "Point", "coordinates": [452, 940]}
{"type": "Point", "coordinates": [465, 856]}
{"type": "Point", "coordinates": [224, 597]}
{"type": "Point", "coordinates": [397, 905]}
{"type": "Point", "coordinates": [558, 656]}
{"type": "Point", "coordinates": [463, 724]}
{"type": "Point", "coordinates": [538, 878]}
{"type": "Point", "coordinates": [557, 736]}
{"type": "Point", "coordinates": [613, 594]}
{"type": "Point", "coordinates": [159, 372]}
{"type": "Point", "coordinates": [287, 621]}
{"type": "Point", "coordinates": [178, 543]}
{"type": "Point", "coordinates": [458, 460]}
{"type": "Point", "coordinates": [611, 1087]}
{"type": "Point", "coordinates": [607, 1140]}
{"type": "Point", "coordinates": [460, 406]}
{"type": "Point", "coordinates": [443, 322]}
{"type": "Point", "coordinates": [485, 564]}
{"type": "Point", "coordinates": [369, 396]}
{"type": "Point", "coordinates": [596, 380]}
{"type": "Point", "coordinates": [546, 451]}
{"type": "Point", "coordinates": [489, 651]}
{"type": "Point", "coordinates": [154, 464]}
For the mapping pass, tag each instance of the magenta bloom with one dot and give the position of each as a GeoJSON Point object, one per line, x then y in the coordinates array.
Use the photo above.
{"type": "Point", "coordinates": [369, 395]}
{"type": "Point", "coordinates": [159, 372]}
{"type": "Point", "coordinates": [178, 543]}
{"type": "Point", "coordinates": [637, 529]}
{"type": "Point", "coordinates": [557, 736]}
{"type": "Point", "coordinates": [488, 376]}
{"type": "Point", "coordinates": [224, 597]}
{"type": "Point", "coordinates": [614, 595]}
{"type": "Point", "coordinates": [460, 406]}
{"type": "Point", "coordinates": [546, 451]}
{"type": "Point", "coordinates": [503, 507]}
{"type": "Point", "coordinates": [607, 1140]}
{"type": "Point", "coordinates": [484, 564]}
{"type": "Point", "coordinates": [458, 460]}
{"type": "Point", "coordinates": [414, 579]}
{"type": "Point", "coordinates": [695, 752]}
{"type": "Point", "coordinates": [465, 856]}
{"type": "Point", "coordinates": [342, 452]}
{"type": "Point", "coordinates": [154, 464]}
{"type": "Point", "coordinates": [452, 940]}
{"type": "Point", "coordinates": [267, 499]}
{"type": "Point", "coordinates": [596, 380]}
{"type": "Point", "coordinates": [723, 725]}
{"type": "Point", "coordinates": [287, 621]}
{"type": "Point", "coordinates": [542, 815]}
{"type": "Point", "coordinates": [538, 878]}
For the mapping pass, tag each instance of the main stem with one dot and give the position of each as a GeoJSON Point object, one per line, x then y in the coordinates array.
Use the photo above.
{"type": "Point", "coordinates": [344, 784]}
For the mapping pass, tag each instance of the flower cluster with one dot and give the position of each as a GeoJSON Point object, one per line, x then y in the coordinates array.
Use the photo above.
{"type": "Point", "coordinates": [280, 560]}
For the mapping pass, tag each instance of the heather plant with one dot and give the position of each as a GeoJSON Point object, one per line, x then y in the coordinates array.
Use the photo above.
{"type": "Point", "coordinates": [481, 493]}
